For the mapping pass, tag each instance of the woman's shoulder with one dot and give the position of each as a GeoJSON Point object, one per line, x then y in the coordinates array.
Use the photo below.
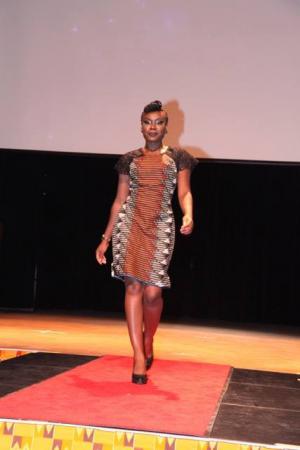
{"type": "Point", "coordinates": [175, 151]}
{"type": "Point", "coordinates": [182, 158]}
{"type": "Point", "coordinates": [133, 153]}
{"type": "Point", "coordinates": [178, 151]}
{"type": "Point", "coordinates": [123, 163]}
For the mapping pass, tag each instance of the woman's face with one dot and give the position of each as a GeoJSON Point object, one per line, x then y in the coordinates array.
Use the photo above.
{"type": "Point", "coordinates": [154, 126]}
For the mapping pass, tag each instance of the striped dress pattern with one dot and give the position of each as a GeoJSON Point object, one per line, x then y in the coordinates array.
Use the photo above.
{"type": "Point", "coordinates": [144, 233]}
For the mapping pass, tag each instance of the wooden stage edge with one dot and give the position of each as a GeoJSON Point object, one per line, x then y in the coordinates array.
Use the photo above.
{"type": "Point", "coordinates": [257, 347]}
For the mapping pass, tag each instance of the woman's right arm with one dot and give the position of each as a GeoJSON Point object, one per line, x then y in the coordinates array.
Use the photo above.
{"type": "Point", "coordinates": [122, 193]}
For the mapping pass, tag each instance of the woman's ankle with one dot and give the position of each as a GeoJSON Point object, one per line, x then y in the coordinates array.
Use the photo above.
{"type": "Point", "coordinates": [148, 345]}
{"type": "Point", "coordinates": [139, 363]}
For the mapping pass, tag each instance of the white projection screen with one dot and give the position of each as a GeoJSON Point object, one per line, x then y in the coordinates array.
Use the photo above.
{"type": "Point", "coordinates": [75, 75]}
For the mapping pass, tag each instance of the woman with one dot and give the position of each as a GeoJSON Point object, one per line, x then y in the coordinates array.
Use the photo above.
{"type": "Point", "coordinates": [141, 226]}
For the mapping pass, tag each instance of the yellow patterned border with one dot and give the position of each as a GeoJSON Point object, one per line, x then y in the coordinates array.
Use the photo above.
{"type": "Point", "coordinates": [18, 435]}
{"type": "Point", "coordinates": [8, 354]}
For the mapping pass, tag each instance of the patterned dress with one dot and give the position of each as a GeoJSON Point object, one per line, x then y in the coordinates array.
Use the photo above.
{"type": "Point", "coordinates": [144, 233]}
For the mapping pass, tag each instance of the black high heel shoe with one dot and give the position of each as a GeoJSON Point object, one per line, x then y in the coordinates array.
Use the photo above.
{"type": "Point", "coordinates": [139, 379]}
{"type": "Point", "coordinates": [149, 362]}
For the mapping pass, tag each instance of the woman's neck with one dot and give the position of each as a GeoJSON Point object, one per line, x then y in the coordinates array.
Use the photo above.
{"type": "Point", "coordinates": [153, 146]}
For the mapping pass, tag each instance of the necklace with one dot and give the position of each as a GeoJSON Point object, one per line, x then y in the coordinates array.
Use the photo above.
{"type": "Point", "coordinates": [160, 150]}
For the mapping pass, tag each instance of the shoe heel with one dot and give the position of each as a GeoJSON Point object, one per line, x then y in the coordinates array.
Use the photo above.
{"type": "Point", "coordinates": [139, 379]}
{"type": "Point", "coordinates": [149, 362]}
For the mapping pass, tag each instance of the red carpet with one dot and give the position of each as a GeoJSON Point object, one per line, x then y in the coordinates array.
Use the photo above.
{"type": "Point", "coordinates": [180, 397]}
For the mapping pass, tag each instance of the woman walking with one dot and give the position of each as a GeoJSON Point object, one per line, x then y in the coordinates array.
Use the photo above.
{"type": "Point", "coordinates": [141, 226]}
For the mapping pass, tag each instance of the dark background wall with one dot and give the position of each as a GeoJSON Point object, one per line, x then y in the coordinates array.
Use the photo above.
{"type": "Point", "coordinates": [241, 263]}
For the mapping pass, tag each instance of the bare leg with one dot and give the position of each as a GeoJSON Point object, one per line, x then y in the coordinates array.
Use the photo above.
{"type": "Point", "coordinates": [153, 305]}
{"type": "Point", "coordinates": [134, 317]}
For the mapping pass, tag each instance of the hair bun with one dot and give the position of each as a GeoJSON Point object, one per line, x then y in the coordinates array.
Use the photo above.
{"type": "Point", "coordinates": [156, 105]}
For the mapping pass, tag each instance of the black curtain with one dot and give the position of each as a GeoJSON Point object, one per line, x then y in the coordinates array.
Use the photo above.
{"type": "Point", "coordinates": [240, 264]}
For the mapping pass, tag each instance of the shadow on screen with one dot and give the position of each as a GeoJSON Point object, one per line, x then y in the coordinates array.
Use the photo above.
{"type": "Point", "coordinates": [176, 129]}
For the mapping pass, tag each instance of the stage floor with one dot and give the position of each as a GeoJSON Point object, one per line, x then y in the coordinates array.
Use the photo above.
{"type": "Point", "coordinates": [262, 399]}
{"type": "Point", "coordinates": [255, 347]}
{"type": "Point", "coordinates": [257, 406]}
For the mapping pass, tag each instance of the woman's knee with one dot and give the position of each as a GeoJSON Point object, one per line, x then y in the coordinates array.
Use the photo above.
{"type": "Point", "coordinates": [133, 287]}
{"type": "Point", "coordinates": [152, 296]}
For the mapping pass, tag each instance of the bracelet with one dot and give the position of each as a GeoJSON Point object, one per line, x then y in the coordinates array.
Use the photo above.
{"type": "Point", "coordinates": [104, 238]}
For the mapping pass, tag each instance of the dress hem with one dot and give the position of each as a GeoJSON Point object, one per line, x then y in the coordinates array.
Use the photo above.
{"type": "Point", "coordinates": [146, 283]}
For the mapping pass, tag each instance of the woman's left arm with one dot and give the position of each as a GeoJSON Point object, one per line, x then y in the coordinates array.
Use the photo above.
{"type": "Point", "coordinates": [185, 200]}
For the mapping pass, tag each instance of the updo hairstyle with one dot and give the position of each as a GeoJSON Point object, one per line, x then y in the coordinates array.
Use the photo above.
{"type": "Point", "coordinates": [154, 106]}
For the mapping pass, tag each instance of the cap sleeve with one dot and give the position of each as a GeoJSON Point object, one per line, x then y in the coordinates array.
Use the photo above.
{"type": "Point", "coordinates": [185, 160]}
{"type": "Point", "coordinates": [122, 165]}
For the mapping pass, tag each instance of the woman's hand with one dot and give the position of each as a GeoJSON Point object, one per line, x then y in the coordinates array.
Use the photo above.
{"type": "Point", "coordinates": [100, 252]}
{"type": "Point", "coordinates": [186, 201]}
{"type": "Point", "coordinates": [187, 225]}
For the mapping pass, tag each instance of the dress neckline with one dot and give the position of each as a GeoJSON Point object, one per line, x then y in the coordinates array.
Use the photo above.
{"type": "Point", "coordinates": [161, 151]}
